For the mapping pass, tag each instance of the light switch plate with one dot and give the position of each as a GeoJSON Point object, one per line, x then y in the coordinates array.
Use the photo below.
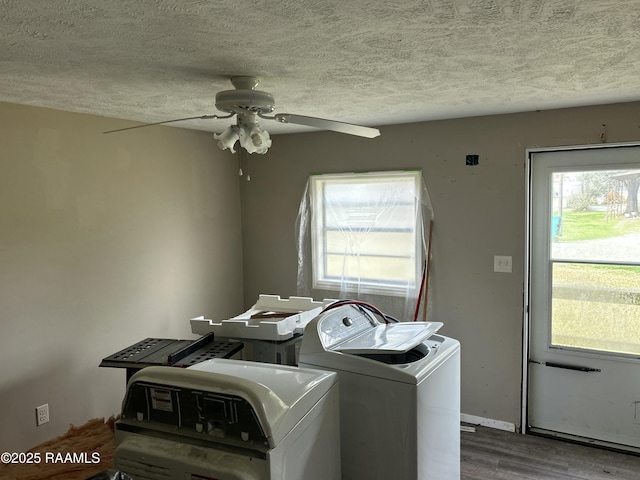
{"type": "Point", "coordinates": [502, 263]}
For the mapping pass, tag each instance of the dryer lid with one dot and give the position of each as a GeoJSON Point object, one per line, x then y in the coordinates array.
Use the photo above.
{"type": "Point", "coordinates": [388, 338]}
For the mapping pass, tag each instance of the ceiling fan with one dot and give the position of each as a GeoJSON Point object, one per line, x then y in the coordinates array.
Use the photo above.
{"type": "Point", "coordinates": [250, 105]}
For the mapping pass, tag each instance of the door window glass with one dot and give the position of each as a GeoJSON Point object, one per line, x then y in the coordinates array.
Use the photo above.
{"type": "Point", "coordinates": [595, 261]}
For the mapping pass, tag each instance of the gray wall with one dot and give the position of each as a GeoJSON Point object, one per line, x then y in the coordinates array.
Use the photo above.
{"type": "Point", "coordinates": [479, 213]}
{"type": "Point", "coordinates": [104, 240]}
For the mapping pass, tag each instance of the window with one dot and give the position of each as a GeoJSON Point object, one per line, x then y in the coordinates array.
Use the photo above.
{"type": "Point", "coordinates": [366, 232]}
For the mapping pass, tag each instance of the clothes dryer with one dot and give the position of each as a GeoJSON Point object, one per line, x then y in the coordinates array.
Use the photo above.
{"type": "Point", "coordinates": [230, 420]}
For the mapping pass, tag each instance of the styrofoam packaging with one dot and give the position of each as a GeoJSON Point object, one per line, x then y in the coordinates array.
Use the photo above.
{"type": "Point", "coordinates": [301, 311]}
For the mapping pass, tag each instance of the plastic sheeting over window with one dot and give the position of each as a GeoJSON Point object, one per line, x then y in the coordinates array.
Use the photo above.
{"type": "Point", "coordinates": [365, 236]}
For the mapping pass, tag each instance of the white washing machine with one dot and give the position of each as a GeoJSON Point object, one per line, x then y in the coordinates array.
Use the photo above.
{"type": "Point", "coordinates": [399, 393]}
{"type": "Point", "coordinates": [230, 420]}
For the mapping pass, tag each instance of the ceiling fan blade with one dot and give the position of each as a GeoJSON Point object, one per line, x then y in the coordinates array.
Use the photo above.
{"type": "Point", "coordinates": [199, 117]}
{"type": "Point", "coordinates": [348, 128]}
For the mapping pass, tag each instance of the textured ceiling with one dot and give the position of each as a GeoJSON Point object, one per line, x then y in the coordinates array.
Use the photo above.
{"type": "Point", "coordinates": [360, 61]}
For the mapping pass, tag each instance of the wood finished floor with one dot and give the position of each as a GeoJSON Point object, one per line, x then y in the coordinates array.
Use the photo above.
{"type": "Point", "coordinates": [490, 454]}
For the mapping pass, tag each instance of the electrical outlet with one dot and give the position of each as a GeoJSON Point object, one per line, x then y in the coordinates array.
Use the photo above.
{"type": "Point", "coordinates": [502, 263]}
{"type": "Point", "coordinates": [42, 414]}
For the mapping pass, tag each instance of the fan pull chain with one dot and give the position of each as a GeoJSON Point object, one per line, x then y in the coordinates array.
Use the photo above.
{"type": "Point", "coordinates": [241, 156]}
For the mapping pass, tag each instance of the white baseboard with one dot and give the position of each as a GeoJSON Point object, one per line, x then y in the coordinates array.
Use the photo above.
{"type": "Point", "coordinates": [487, 422]}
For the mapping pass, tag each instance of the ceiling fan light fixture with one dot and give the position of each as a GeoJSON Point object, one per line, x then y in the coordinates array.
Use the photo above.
{"type": "Point", "coordinates": [228, 138]}
{"type": "Point", "coordinates": [255, 140]}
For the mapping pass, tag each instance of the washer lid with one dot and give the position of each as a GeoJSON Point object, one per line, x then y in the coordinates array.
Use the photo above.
{"type": "Point", "coordinates": [388, 338]}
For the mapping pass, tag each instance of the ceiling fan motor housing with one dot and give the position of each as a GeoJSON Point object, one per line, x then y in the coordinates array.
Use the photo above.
{"type": "Point", "coordinates": [245, 101]}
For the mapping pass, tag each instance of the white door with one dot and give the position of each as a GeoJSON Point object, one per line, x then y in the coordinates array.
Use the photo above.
{"type": "Point", "coordinates": [584, 295]}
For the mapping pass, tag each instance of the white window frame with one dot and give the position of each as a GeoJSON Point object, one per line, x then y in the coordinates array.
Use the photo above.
{"type": "Point", "coordinates": [374, 286]}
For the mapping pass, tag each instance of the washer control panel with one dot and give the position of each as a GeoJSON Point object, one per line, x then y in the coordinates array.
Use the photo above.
{"type": "Point", "coordinates": [342, 323]}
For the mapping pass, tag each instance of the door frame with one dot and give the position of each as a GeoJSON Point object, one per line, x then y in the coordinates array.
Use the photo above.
{"type": "Point", "coordinates": [526, 319]}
